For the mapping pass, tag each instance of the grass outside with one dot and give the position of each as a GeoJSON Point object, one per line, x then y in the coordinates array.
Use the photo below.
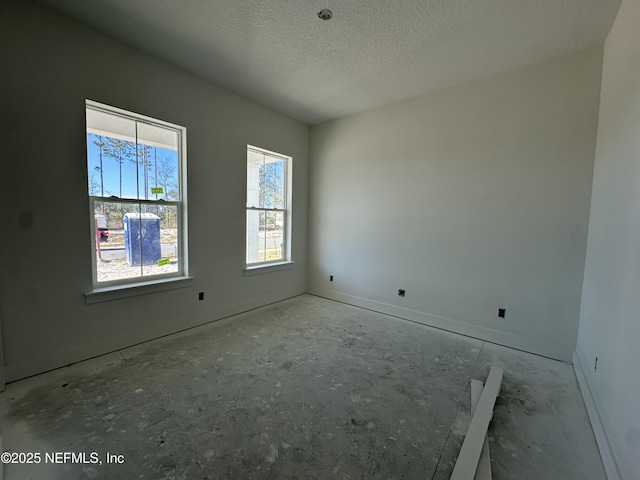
{"type": "Point", "coordinates": [269, 255]}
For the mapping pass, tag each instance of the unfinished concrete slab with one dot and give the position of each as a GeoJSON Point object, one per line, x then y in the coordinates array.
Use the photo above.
{"type": "Point", "coordinates": [306, 388]}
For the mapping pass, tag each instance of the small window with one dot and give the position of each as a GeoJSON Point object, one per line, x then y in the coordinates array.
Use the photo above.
{"type": "Point", "coordinates": [268, 207]}
{"type": "Point", "coordinates": [136, 167]}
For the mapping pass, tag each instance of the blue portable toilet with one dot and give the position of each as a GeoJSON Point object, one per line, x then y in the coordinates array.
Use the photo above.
{"type": "Point", "coordinates": [142, 238]}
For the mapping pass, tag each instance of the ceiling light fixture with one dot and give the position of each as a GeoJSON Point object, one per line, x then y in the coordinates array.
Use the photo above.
{"type": "Point", "coordinates": [325, 14]}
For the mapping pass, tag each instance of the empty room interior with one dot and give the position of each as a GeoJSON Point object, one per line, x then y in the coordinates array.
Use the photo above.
{"type": "Point", "coordinates": [276, 239]}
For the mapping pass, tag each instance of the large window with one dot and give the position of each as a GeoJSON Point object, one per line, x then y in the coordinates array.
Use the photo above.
{"type": "Point", "coordinates": [136, 170]}
{"type": "Point", "coordinates": [268, 207]}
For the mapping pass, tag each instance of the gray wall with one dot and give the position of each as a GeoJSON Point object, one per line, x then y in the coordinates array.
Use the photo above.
{"type": "Point", "coordinates": [471, 198]}
{"type": "Point", "coordinates": [50, 65]}
{"type": "Point", "coordinates": [610, 315]}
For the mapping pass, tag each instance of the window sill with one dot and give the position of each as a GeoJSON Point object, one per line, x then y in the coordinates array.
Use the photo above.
{"type": "Point", "coordinates": [266, 268]}
{"type": "Point", "coordinates": [116, 292]}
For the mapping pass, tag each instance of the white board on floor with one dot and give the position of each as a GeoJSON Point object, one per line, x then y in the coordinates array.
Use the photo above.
{"type": "Point", "coordinates": [483, 472]}
{"type": "Point", "coordinates": [467, 463]}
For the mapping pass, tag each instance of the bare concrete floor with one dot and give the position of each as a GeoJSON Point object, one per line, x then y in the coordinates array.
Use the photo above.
{"type": "Point", "coordinates": [302, 389]}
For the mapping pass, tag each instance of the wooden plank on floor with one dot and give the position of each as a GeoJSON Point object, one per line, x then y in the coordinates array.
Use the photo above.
{"type": "Point", "coordinates": [483, 472]}
{"type": "Point", "coordinates": [467, 463]}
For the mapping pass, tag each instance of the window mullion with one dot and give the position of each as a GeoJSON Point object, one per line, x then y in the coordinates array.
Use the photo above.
{"type": "Point", "coordinates": [267, 209]}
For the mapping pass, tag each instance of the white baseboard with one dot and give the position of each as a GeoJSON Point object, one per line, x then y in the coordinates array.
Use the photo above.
{"type": "Point", "coordinates": [554, 351]}
{"type": "Point", "coordinates": [602, 439]}
{"type": "Point", "coordinates": [86, 351]}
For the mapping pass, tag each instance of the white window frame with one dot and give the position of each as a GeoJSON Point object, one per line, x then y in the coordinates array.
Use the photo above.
{"type": "Point", "coordinates": [160, 281]}
{"type": "Point", "coordinates": [287, 260]}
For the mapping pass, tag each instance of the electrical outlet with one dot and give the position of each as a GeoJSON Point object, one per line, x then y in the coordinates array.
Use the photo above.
{"type": "Point", "coordinates": [502, 312]}
{"type": "Point", "coordinates": [402, 292]}
{"type": "Point", "coordinates": [201, 296]}
{"type": "Point", "coordinates": [331, 278]}
{"type": "Point", "coordinates": [595, 365]}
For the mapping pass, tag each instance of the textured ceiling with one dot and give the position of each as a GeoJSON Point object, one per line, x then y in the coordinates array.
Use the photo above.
{"type": "Point", "coordinates": [373, 52]}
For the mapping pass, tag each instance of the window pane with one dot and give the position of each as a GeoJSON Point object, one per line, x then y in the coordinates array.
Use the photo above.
{"type": "Point", "coordinates": [272, 193]}
{"type": "Point", "coordinates": [164, 183]}
{"type": "Point", "coordinates": [273, 236]}
{"type": "Point", "coordinates": [134, 241]}
{"type": "Point", "coordinates": [110, 125]}
{"type": "Point", "coordinates": [253, 235]}
{"type": "Point", "coordinates": [157, 173]}
{"type": "Point", "coordinates": [255, 161]}
{"type": "Point", "coordinates": [111, 257]}
{"type": "Point", "coordinates": [111, 166]}
{"type": "Point", "coordinates": [160, 249]}
{"type": "Point", "coordinates": [145, 163]}
{"type": "Point", "coordinates": [117, 168]}
{"type": "Point", "coordinates": [157, 136]}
